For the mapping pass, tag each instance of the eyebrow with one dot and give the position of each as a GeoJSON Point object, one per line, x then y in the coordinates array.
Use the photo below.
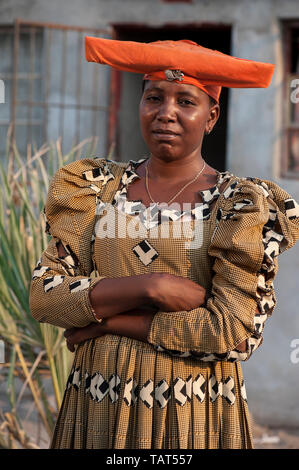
{"type": "Point", "coordinates": [156, 88]}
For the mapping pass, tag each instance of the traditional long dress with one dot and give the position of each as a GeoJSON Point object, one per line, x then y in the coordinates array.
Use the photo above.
{"type": "Point", "coordinates": [184, 389]}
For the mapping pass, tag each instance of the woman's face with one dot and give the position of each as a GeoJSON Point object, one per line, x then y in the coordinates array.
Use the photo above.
{"type": "Point", "coordinates": [174, 118]}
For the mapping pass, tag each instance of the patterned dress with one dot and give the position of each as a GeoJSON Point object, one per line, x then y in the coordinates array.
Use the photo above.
{"type": "Point", "coordinates": [184, 388]}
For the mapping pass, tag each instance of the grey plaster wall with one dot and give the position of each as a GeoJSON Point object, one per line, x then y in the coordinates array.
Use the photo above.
{"type": "Point", "coordinates": [253, 143]}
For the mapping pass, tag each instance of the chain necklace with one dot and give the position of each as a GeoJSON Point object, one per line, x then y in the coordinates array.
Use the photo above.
{"type": "Point", "coordinates": [179, 192]}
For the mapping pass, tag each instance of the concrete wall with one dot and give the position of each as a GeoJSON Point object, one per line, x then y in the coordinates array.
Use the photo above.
{"type": "Point", "coordinates": [254, 133]}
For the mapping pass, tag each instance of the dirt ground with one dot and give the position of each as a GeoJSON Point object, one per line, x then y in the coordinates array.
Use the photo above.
{"type": "Point", "coordinates": [274, 438]}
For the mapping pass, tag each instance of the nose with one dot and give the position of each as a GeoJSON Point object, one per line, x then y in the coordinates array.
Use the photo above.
{"type": "Point", "coordinates": [167, 111]}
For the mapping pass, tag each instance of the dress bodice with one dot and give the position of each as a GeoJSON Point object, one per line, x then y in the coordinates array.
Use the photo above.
{"type": "Point", "coordinates": [134, 239]}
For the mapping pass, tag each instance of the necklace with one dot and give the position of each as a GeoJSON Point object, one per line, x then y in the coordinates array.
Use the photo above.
{"type": "Point", "coordinates": [179, 192]}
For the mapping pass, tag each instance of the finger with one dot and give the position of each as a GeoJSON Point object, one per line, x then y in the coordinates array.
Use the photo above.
{"type": "Point", "coordinates": [69, 332]}
{"type": "Point", "coordinates": [78, 335]}
{"type": "Point", "coordinates": [91, 331]}
{"type": "Point", "coordinates": [70, 346]}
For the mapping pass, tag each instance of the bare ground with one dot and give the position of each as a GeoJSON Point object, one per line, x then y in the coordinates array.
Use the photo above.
{"type": "Point", "coordinates": [266, 437]}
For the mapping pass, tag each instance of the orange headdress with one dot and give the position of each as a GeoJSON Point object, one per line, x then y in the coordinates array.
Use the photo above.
{"type": "Point", "coordinates": [183, 61]}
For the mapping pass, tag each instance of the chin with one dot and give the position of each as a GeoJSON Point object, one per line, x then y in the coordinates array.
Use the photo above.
{"type": "Point", "coordinates": [166, 152]}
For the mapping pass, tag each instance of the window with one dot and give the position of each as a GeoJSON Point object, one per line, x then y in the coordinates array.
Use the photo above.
{"type": "Point", "coordinates": [28, 120]}
{"type": "Point", "coordinates": [50, 89]}
{"type": "Point", "coordinates": [290, 161]}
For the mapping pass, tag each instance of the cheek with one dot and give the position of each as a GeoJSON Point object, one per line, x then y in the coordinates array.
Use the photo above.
{"type": "Point", "coordinates": [142, 119]}
{"type": "Point", "coordinates": [195, 121]}
{"type": "Point", "coordinates": [197, 117]}
{"type": "Point", "coordinates": [145, 117]}
{"type": "Point", "coordinates": [141, 112]}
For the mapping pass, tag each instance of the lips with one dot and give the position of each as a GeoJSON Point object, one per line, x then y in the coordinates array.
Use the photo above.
{"type": "Point", "coordinates": [165, 134]}
{"type": "Point", "coordinates": [165, 131]}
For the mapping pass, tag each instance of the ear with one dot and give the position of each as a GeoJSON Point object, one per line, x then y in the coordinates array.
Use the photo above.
{"type": "Point", "coordinates": [214, 114]}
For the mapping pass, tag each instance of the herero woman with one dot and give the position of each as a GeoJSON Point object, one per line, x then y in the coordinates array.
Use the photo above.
{"type": "Point", "coordinates": [161, 325]}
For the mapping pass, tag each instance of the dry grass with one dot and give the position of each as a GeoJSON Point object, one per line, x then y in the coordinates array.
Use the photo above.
{"type": "Point", "coordinates": [31, 348]}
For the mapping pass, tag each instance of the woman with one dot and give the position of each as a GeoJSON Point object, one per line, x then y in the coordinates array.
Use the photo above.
{"type": "Point", "coordinates": [161, 322]}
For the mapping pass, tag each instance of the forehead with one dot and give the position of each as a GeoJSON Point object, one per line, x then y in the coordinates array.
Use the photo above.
{"type": "Point", "coordinates": [165, 86]}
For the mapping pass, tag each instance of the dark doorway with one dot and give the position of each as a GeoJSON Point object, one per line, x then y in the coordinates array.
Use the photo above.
{"type": "Point", "coordinates": [125, 122]}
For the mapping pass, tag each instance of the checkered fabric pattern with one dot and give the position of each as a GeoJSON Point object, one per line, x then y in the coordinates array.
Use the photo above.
{"type": "Point", "coordinates": [185, 387]}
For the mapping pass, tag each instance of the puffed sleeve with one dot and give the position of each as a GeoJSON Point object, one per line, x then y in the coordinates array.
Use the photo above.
{"type": "Point", "coordinates": [59, 290]}
{"type": "Point", "coordinates": [256, 221]}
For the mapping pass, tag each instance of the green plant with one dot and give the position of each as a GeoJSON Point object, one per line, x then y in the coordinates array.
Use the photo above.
{"type": "Point", "coordinates": [32, 348]}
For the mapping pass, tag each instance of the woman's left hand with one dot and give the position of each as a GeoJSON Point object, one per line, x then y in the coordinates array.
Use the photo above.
{"type": "Point", "coordinates": [134, 323]}
{"type": "Point", "coordinates": [78, 335]}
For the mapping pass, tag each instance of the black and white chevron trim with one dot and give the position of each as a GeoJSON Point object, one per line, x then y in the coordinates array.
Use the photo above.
{"type": "Point", "coordinates": [231, 356]}
{"type": "Point", "coordinates": [69, 262]}
{"type": "Point", "coordinates": [130, 392]}
{"type": "Point", "coordinates": [180, 390]}
{"type": "Point", "coordinates": [273, 242]}
{"type": "Point", "coordinates": [39, 270]}
{"type": "Point", "coordinates": [291, 208]}
{"type": "Point", "coordinates": [145, 252]}
{"type": "Point", "coordinates": [224, 388]}
{"type": "Point", "coordinates": [199, 387]}
{"type": "Point", "coordinates": [243, 391]}
{"type": "Point", "coordinates": [102, 174]}
{"type": "Point", "coordinates": [74, 379]}
{"type": "Point", "coordinates": [151, 216]}
{"type": "Point", "coordinates": [80, 284]}
{"type": "Point", "coordinates": [52, 281]}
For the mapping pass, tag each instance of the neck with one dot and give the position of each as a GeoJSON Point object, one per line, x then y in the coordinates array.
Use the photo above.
{"type": "Point", "coordinates": [171, 170]}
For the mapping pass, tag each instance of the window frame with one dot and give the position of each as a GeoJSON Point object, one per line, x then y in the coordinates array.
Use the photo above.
{"type": "Point", "coordinates": [16, 29]}
{"type": "Point", "coordinates": [288, 76]}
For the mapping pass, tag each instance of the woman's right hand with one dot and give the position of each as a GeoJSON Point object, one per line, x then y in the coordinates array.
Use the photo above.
{"type": "Point", "coordinates": [175, 293]}
{"type": "Point", "coordinates": [112, 296]}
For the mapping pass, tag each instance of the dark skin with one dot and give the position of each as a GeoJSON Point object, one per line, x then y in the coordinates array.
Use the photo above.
{"type": "Point", "coordinates": [186, 113]}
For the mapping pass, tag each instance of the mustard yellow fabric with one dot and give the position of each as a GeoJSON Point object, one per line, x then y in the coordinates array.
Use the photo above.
{"type": "Point", "coordinates": [185, 387]}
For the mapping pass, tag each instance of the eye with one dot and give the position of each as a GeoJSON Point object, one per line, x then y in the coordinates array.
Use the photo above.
{"type": "Point", "coordinates": [152, 98]}
{"type": "Point", "coordinates": [186, 102]}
